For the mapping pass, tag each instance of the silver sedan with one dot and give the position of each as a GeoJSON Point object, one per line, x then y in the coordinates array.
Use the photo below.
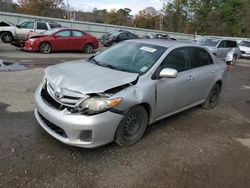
{"type": "Point", "coordinates": [117, 93]}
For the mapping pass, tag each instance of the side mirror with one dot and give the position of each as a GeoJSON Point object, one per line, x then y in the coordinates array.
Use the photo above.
{"type": "Point", "coordinates": [18, 26]}
{"type": "Point", "coordinates": [168, 73]}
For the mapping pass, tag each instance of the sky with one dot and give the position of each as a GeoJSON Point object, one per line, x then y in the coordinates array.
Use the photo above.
{"type": "Point", "coordinates": [134, 5]}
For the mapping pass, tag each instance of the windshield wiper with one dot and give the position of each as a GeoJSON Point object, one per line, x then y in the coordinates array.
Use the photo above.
{"type": "Point", "coordinates": [118, 68]}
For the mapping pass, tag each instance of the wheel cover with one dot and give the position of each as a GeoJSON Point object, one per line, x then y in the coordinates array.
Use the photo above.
{"type": "Point", "coordinates": [88, 48]}
{"type": "Point", "coordinates": [7, 38]}
{"type": "Point", "coordinates": [132, 126]}
{"type": "Point", "coordinates": [45, 48]}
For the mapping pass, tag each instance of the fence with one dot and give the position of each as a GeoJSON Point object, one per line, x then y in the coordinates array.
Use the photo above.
{"type": "Point", "coordinates": [96, 29]}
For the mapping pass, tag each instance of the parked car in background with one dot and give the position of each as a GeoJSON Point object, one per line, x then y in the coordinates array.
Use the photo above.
{"type": "Point", "coordinates": [19, 32]}
{"type": "Point", "coordinates": [245, 48]}
{"type": "Point", "coordinates": [161, 36]}
{"type": "Point", "coordinates": [225, 49]}
{"type": "Point", "coordinates": [117, 36]}
{"type": "Point", "coordinates": [61, 40]}
{"type": "Point", "coordinates": [116, 94]}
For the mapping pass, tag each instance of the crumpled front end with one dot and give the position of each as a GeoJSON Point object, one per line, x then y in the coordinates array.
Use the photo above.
{"type": "Point", "coordinates": [56, 114]}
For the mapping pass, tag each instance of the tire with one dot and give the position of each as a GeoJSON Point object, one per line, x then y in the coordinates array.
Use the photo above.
{"type": "Point", "coordinates": [88, 48]}
{"type": "Point", "coordinates": [234, 59]}
{"type": "Point", "coordinates": [7, 37]}
{"type": "Point", "coordinates": [213, 97]}
{"type": "Point", "coordinates": [132, 127]}
{"type": "Point", "coordinates": [45, 48]}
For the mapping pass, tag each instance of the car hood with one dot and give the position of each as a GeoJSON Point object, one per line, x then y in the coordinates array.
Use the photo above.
{"type": "Point", "coordinates": [85, 77]}
{"type": "Point", "coordinates": [244, 48]}
{"type": "Point", "coordinates": [8, 28]}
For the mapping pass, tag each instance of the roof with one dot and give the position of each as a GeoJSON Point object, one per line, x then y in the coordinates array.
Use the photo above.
{"type": "Point", "coordinates": [164, 42]}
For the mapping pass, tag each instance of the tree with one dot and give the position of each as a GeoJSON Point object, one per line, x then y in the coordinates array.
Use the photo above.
{"type": "Point", "coordinates": [8, 6]}
{"type": "Point", "coordinates": [51, 8]}
{"type": "Point", "coordinates": [148, 18]}
{"type": "Point", "coordinates": [175, 15]}
{"type": "Point", "coordinates": [119, 17]}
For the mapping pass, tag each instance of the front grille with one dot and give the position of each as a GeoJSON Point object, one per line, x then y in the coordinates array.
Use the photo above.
{"type": "Point", "coordinates": [53, 127]}
{"type": "Point", "coordinates": [63, 100]}
{"type": "Point", "coordinates": [51, 101]}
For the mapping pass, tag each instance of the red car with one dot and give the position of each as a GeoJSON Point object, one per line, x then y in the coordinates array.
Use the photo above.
{"type": "Point", "coordinates": [61, 40]}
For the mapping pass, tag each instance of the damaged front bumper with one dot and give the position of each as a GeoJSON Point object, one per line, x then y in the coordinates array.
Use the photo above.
{"type": "Point", "coordinates": [76, 129]}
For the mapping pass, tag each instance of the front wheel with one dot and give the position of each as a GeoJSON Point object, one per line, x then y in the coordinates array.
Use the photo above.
{"type": "Point", "coordinates": [45, 48]}
{"type": "Point", "coordinates": [213, 97]}
{"type": "Point", "coordinates": [132, 126]}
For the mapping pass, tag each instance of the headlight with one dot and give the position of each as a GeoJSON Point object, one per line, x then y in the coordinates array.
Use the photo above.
{"type": "Point", "coordinates": [32, 40]}
{"type": "Point", "coordinates": [98, 104]}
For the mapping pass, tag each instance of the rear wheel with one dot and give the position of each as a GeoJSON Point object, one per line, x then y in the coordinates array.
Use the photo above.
{"type": "Point", "coordinates": [7, 37]}
{"type": "Point", "coordinates": [213, 97]}
{"type": "Point", "coordinates": [132, 126]}
{"type": "Point", "coordinates": [45, 48]}
{"type": "Point", "coordinates": [88, 48]}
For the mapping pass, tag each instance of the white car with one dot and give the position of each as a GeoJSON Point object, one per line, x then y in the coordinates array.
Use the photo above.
{"type": "Point", "coordinates": [245, 48]}
{"type": "Point", "coordinates": [225, 49]}
{"type": "Point", "coordinates": [10, 32]}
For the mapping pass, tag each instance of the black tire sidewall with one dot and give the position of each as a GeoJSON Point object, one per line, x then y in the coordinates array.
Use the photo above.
{"type": "Point", "coordinates": [208, 104]}
{"type": "Point", "coordinates": [119, 136]}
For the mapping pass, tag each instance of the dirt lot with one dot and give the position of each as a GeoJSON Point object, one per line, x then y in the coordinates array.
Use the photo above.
{"type": "Point", "coordinates": [196, 148]}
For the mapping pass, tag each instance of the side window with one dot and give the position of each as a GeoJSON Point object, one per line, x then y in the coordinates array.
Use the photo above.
{"type": "Point", "coordinates": [41, 26]}
{"type": "Point", "coordinates": [231, 44]}
{"type": "Point", "coordinates": [54, 25]}
{"type": "Point", "coordinates": [27, 25]}
{"type": "Point", "coordinates": [77, 34]}
{"type": "Point", "coordinates": [223, 44]}
{"type": "Point", "coordinates": [122, 36]}
{"type": "Point", "coordinates": [177, 59]}
{"type": "Point", "coordinates": [200, 57]}
{"type": "Point", "coordinates": [65, 33]}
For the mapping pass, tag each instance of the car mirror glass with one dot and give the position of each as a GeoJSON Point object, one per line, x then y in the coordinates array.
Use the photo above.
{"type": "Point", "coordinates": [168, 73]}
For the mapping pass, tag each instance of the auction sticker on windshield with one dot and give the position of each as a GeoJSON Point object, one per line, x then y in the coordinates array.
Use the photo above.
{"type": "Point", "coordinates": [148, 49]}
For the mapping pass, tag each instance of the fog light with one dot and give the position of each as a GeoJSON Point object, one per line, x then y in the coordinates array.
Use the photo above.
{"type": "Point", "coordinates": [86, 136]}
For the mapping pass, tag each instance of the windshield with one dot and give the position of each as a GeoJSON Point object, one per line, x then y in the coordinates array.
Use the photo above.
{"type": "Point", "coordinates": [50, 32]}
{"type": "Point", "coordinates": [245, 43]}
{"type": "Point", "coordinates": [130, 57]}
{"type": "Point", "coordinates": [209, 42]}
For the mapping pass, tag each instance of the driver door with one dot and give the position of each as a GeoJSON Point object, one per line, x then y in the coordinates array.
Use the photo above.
{"type": "Point", "coordinates": [174, 94]}
{"type": "Point", "coordinates": [23, 29]}
{"type": "Point", "coordinates": [62, 40]}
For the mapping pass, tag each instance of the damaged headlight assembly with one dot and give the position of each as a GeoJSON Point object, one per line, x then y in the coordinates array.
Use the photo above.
{"type": "Point", "coordinates": [95, 105]}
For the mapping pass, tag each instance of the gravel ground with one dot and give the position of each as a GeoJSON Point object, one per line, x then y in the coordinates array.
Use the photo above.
{"type": "Point", "coordinates": [196, 148]}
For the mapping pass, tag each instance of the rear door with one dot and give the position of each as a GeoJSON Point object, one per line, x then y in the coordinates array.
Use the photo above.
{"type": "Point", "coordinates": [223, 49]}
{"type": "Point", "coordinates": [78, 40]}
{"type": "Point", "coordinates": [174, 94]}
{"type": "Point", "coordinates": [62, 40]}
{"type": "Point", "coordinates": [204, 71]}
{"type": "Point", "coordinates": [40, 27]}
